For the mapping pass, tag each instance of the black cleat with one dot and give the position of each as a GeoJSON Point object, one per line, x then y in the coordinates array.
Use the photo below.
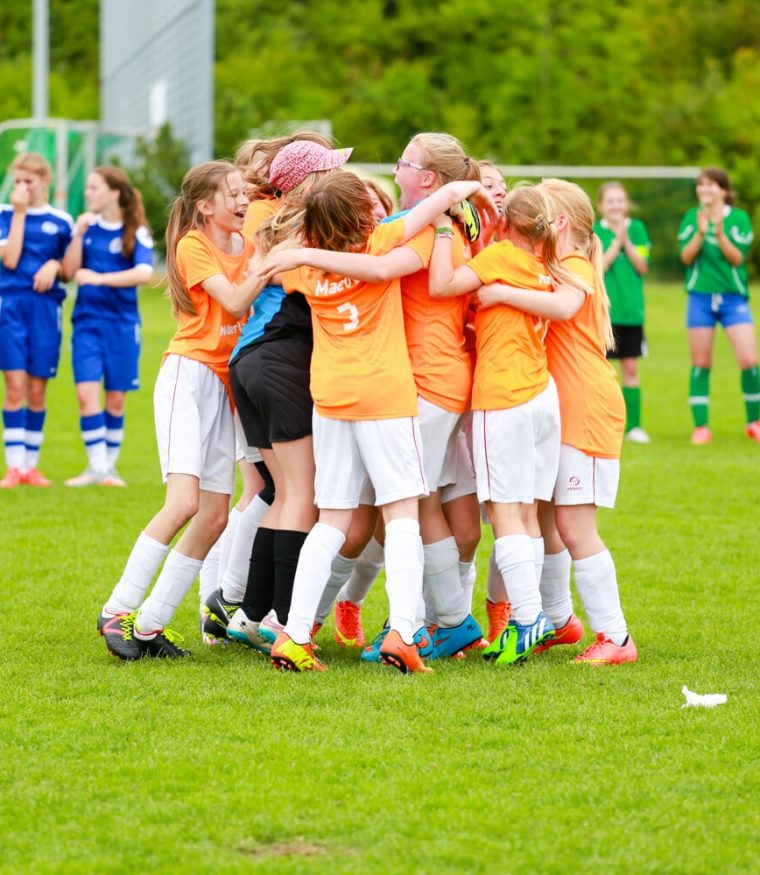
{"type": "Point", "coordinates": [118, 633]}
{"type": "Point", "coordinates": [215, 618]}
{"type": "Point", "coordinates": [161, 646]}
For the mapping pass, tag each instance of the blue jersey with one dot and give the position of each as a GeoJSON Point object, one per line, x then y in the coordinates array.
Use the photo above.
{"type": "Point", "coordinates": [47, 233]}
{"type": "Point", "coordinates": [101, 252]}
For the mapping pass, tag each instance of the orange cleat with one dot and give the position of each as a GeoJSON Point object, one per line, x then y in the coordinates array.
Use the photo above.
{"type": "Point", "coordinates": [34, 478]}
{"type": "Point", "coordinates": [348, 624]}
{"type": "Point", "coordinates": [13, 477]}
{"type": "Point", "coordinates": [604, 651]}
{"type": "Point", "coordinates": [288, 655]}
{"type": "Point", "coordinates": [753, 430]}
{"type": "Point", "coordinates": [498, 617]}
{"type": "Point", "coordinates": [701, 435]}
{"type": "Point", "coordinates": [480, 644]}
{"type": "Point", "coordinates": [315, 629]}
{"type": "Point", "coordinates": [405, 657]}
{"type": "Point", "coordinates": [570, 633]}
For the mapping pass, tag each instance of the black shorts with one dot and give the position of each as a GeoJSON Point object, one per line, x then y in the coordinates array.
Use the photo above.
{"type": "Point", "coordinates": [270, 384]}
{"type": "Point", "coordinates": [629, 342]}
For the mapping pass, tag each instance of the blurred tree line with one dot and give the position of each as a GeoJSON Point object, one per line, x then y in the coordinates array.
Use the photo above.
{"type": "Point", "coordinates": [649, 82]}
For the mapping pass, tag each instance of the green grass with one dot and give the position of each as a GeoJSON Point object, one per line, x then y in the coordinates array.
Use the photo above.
{"type": "Point", "coordinates": [221, 763]}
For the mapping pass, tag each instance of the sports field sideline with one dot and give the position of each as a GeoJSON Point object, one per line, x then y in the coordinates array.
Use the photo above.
{"type": "Point", "coordinates": [221, 763]}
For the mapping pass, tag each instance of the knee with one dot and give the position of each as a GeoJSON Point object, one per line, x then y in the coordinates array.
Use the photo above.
{"type": "Point", "coordinates": [467, 539]}
{"type": "Point", "coordinates": [180, 510]}
{"type": "Point", "coordinates": [35, 396]}
{"type": "Point", "coordinates": [215, 522]}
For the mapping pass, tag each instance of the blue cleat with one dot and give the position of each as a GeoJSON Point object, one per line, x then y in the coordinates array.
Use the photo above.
{"type": "Point", "coordinates": [517, 642]}
{"type": "Point", "coordinates": [371, 653]}
{"type": "Point", "coordinates": [448, 641]}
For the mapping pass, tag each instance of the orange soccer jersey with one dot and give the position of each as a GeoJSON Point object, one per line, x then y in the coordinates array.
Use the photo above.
{"type": "Point", "coordinates": [360, 365]}
{"type": "Point", "coordinates": [511, 365]}
{"type": "Point", "coordinates": [210, 334]}
{"type": "Point", "coordinates": [441, 364]}
{"type": "Point", "coordinates": [590, 400]}
{"type": "Point", "coordinates": [256, 213]}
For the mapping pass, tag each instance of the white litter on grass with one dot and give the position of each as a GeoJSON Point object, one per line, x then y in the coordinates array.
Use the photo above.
{"type": "Point", "coordinates": [709, 700]}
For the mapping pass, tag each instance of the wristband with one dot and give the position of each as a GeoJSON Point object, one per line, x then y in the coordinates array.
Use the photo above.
{"type": "Point", "coordinates": [445, 231]}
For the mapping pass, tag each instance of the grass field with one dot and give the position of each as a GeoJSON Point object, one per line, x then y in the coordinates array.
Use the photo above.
{"type": "Point", "coordinates": [219, 762]}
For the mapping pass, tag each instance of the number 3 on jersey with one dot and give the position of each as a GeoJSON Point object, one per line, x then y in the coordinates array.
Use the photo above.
{"type": "Point", "coordinates": [353, 315]}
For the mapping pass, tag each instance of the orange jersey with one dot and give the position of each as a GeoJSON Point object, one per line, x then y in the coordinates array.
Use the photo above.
{"type": "Point", "coordinates": [210, 335]}
{"type": "Point", "coordinates": [590, 400]}
{"type": "Point", "coordinates": [434, 327]}
{"type": "Point", "coordinates": [258, 212]}
{"type": "Point", "coordinates": [511, 365]}
{"type": "Point", "coordinates": [360, 365]}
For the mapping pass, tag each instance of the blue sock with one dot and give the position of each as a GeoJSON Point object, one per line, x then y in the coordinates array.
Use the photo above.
{"type": "Point", "coordinates": [114, 437]}
{"type": "Point", "coordinates": [35, 420]}
{"type": "Point", "coordinates": [94, 437]}
{"type": "Point", "coordinates": [14, 434]}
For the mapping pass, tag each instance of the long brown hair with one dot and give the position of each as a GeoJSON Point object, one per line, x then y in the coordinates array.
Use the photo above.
{"type": "Point", "coordinates": [717, 174]}
{"type": "Point", "coordinates": [254, 158]}
{"type": "Point", "coordinates": [200, 183]}
{"type": "Point", "coordinates": [130, 203]}
{"type": "Point", "coordinates": [338, 213]}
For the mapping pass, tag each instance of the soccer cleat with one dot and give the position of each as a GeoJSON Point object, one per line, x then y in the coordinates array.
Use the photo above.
{"type": "Point", "coordinates": [371, 653]}
{"type": "Point", "coordinates": [163, 645]}
{"type": "Point", "coordinates": [87, 478]}
{"type": "Point", "coordinates": [118, 632]}
{"type": "Point", "coordinates": [753, 430]}
{"type": "Point", "coordinates": [315, 629]}
{"type": "Point", "coordinates": [517, 641]}
{"type": "Point", "coordinates": [288, 655]}
{"type": "Point", "coordinates": [34, 477]}
{"type": "Point", "coordinates": [270, 627]}
{"type": "Point", "coordinates": [348, 624]}
{"type": "Point", "coordinates": [570, 633]}
{"type": "Point", "coordinates": [423, 639]}
{"type": "Point", "coordinates": [481, 644]}
{"type": "Point", "coordinates": [701, 435]}
{"type": "Point", "coordinates": [604, 651]}
{"type": "Point", "coordinates": [405, 657]}
{"type": "Point", "coordinates": [13, 477]}
{"type": "Point", "coordinates": [246, 631]}
{"type": "Point", "coordinates": [111, 478]}
{"type": "Point", "coordinates": [638, 436]}
{"type": "Point", "coordinates": [498, 617]}
{"type": "Point", "coordinates": [215, 617]}
{"type": "Point", "coordinates": [449, 641]}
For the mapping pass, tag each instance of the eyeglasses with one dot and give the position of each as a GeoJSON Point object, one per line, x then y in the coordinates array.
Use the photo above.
{"type": "Point", "coordinates": [402, 162]}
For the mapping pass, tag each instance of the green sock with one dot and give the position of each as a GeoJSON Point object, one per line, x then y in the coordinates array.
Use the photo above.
{"type": "Point", "coordinates": [699, 394]}
{"type": "Point", "coordinates": [751, 392]}
{"type": "Point", "coordinates": [632, 396]}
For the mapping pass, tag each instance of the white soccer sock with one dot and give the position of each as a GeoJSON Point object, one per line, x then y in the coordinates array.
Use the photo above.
{"type": "Point", "coordinates": [14, 422]}
{"type": "Point", "coordinates": [442, 582]}
{"type": "Point", "coordinates": [495, 590]}
{"type": "Point", "coordinates": [208, 579]}
{"type": "Point", "coordinates": [340, 571]}
{"type": "Point", "coordinates": [35, 421]}
{"type": "Point", "coordinates": [143, 563]}
{"type": "Point", "coordinates": [225, 543]}
{"type": "Point", "coordinates": [235, 576]}
{"type": "Point", "coordinates": [367, 568]}
{"type": "Point", "coordinates": [469, 575]}
{"type": "Point", "coordinates": [516, 562]}
{"type": "Point", "coordinates": [596, 582]}
{"type": "Point", "coordinates": [175, 580]}
{"type": "Point", "coordinates": [538, 555]}
{"type": "Point", "coordinates": [403, 571]}
{"type": "Point", "coordinates": [314, 565]}
{"type": "Point", "coordinates": [114, 437]}
{"type": "Point", "coordinates": [93, 430]}
{"type": "Point", "coordinates": [556, 596]}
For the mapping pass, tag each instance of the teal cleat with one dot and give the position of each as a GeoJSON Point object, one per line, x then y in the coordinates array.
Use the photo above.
{"type": "Point", "coordinates": [517, 642]}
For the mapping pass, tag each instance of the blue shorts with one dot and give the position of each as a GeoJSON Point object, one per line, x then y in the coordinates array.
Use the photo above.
{"type": "Point", "coordinates": [705, 311]}
{"type": "Point", "coordinates": [106, 350]}
{"type": "Point", "coordinates": [30, 334]}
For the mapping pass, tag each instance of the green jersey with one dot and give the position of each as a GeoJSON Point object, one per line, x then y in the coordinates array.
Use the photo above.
{"type": "Point", "coordinates": [710, 273]}
{"type": "Point", "coordinates": [624, 283]}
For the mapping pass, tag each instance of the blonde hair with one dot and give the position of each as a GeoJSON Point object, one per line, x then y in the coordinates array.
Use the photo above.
{"type": "Point", "coordinates": [573, 202]}
{"type": "Point", "coordinates": [254, 158]}
{"type": "Point", "coordinates": [609, 186]}
{"type": "Point", "coordinates": [200, 183]}
{"type": "Point", "coordinates": [33, 162]}
{"type": "Point", "coordinates": [443, 155]}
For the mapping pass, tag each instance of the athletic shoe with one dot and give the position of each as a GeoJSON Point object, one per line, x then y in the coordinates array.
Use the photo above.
{"type": "Point", "coordinates": [480, 644]}
{"type": "Point", "coordinates": [753, 430]}
{"type": "Point", "coordinates": [13, 477]}
{"type": "Point", "coordinates": [570, 633]}
{"type": "Point", "coordinates": [423, 639]}
{"type": "Point", "coordinates": [215, 617]}
{"type": "Point", "coordinates": [163, 645]}
{"type": "Point", "coordinates": [517, 641]}
{"type": "Point", "coordinates": [701, 435]}
{"type": "Point", "coordinates": [34, 477]}
{"type": "Point", "coordinates": [270, 627]}
{"type": "Point", "coordinates": [498, 617]}
{"type": "Point", "coordinates": [315, 629]}
{"type": "Point", "coordinates": [371, 652]}
{"type": "Point", "coordinates": [638, 436]}
{"type": "Point", "coordinates": [604, 651]}
{"type": "Point", "coordinates": [405, 657]}
{"type": "Point", "coordinates": [118, 633]}
{"type": "Point", "coordinates": [348, 624]}
{"type": "Point", "coordinates": [87, 478]}
{"type": "Point", "coordinates": [246, 631]}
{"type": "Point", "coordinates": [288, 655]}
{"type": "Point", "coordinates": [450, 640]}
{"type": "Point", "coordinates": [111, 478]}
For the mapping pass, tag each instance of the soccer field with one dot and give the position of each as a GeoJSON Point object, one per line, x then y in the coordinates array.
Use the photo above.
{"type": "Point", "coordinates": [219, 762]}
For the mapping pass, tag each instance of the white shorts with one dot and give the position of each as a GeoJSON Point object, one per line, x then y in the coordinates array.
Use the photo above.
{"type": "Point", "coordinates": [386, 453]}
{"type": "Point", "coordinates": [516, 450]}
{"type": "Point", "coordinates": [464, 479]}
{"type": "Point", "coordinates": [584, 479]}
{"type": "Point", "coordinates": [438, 428]}
{"type": "Point", "coordinates": [194, 427]}
{"type": "Point", "coordinates": [242, 450]}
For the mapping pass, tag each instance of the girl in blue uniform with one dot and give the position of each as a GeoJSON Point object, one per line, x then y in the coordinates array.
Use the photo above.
{"type": "Point", "coordinates": [110, 254]}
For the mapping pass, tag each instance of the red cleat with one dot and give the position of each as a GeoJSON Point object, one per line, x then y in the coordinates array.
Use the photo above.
{"type": "Point", "coordinates": [604, 651]}
{"type": "Point", "coordinates": [570, 633]}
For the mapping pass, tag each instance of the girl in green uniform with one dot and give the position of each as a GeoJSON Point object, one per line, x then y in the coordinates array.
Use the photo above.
{"type": "Point", "coordinates": [626, 259]}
